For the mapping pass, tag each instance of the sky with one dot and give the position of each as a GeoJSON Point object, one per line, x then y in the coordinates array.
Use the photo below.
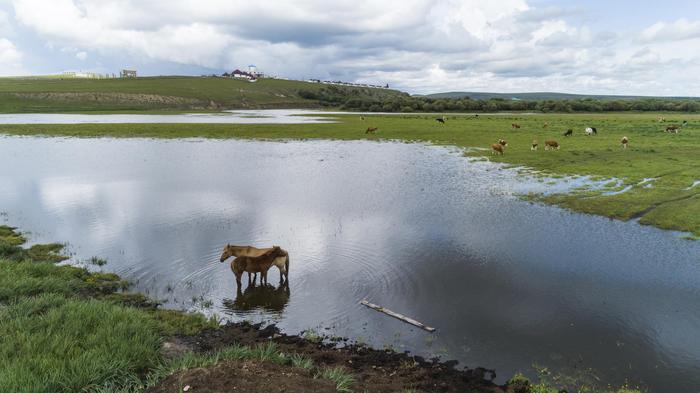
{"type": "Point", "coordinates": [418, 46]}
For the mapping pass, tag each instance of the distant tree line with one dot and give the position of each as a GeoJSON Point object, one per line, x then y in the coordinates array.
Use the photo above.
{"type": "Point", "coordinates": [373, 100]}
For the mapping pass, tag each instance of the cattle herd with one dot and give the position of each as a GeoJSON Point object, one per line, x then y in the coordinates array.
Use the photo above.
{"type": "Point", "coordinates": [551, 144]}
{"type": "Point", "coordinates": [498, 148]}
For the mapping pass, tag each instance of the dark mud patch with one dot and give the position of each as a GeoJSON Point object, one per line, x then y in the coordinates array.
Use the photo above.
{"type": "Point", "coordinates": [244, 376]}
{"type": "Point", "coordinates": [374, 370]}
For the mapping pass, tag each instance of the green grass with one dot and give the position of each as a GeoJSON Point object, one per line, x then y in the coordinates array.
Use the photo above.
{"type": "Point", "coordinates": [343, 380]}
{"type": "Point", "coordinates": [157, 94]}
{"type": "Point", "coordinates": [56, 344]}
{"type": "Point", "coordinates": [65, 329]}
{"type": "Point", "coordinates": [672, 160]}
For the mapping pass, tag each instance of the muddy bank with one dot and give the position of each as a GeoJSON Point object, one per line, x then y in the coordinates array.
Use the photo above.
{"type": "Point", "coordinates": [374, 370]}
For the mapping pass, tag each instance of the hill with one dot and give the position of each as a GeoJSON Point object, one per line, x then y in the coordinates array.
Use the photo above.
{"type": "Point", "coordinates": [540, 96]}
{"type": "Point", "coordinates": [169, 93]}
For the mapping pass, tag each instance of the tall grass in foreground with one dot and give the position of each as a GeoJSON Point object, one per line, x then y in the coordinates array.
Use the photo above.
{"type": "Point", "coordinates": [51, 343]}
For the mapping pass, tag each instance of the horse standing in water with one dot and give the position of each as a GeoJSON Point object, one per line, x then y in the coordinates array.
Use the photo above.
{"type": "Point", "coordinates": [277, 256]}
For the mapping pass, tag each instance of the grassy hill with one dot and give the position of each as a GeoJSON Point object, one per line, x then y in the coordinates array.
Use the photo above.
{"type": "Point", "coordinates": [538, 96]}
{"type": "Point", "coordinates": [165, 93]}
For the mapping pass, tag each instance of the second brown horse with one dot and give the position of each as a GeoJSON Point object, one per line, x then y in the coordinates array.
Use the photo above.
{"type": "Point", "coordinates": [256, 260]}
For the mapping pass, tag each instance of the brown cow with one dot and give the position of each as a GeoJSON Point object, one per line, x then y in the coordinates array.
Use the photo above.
{"type": "Point", "coordinates": [514, 125]}
{"type": "Point", "coordinates": [624, 141]}
{"type": "Point", "coordinates": [497, 148]}
{"type": "Point", "coordinates": [551, 144]}
{"type": "Point", "coordinates": [534, 144]}
{"type": "Point", "coordinates": [502, 142]}
{"type": "Point", "coordinates": [672, 129]}
{"type": "Point", "coordinates": [371, 130]}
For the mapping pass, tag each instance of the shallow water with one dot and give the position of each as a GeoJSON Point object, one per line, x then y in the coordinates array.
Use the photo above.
{"type": "Point", "coordinates": [268, 116]}
{"type": "Point", "coordinates": [418, 229]}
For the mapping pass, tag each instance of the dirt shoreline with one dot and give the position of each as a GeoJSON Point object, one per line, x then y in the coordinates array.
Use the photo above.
{"type": "Point", "coordinates": [374, 370]}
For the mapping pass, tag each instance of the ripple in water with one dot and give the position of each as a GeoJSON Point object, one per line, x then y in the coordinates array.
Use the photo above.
{"type": "Point", "coordinates": [420, 230]}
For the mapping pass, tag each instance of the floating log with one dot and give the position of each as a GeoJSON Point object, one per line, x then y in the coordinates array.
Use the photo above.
{"type": "Point", "coordinates": [397, 316]}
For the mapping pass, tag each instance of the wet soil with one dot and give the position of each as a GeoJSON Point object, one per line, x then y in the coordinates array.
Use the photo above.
{"type": "Point", "coordinates": [374, 370]}
{"type": "Point", "coordinates": [244, 376]}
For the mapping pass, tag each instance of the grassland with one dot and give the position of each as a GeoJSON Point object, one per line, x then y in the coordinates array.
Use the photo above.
{"type": "Point", "coordinates": [672, 160]}
{"type": "Point", "coordinates": [42, 95]}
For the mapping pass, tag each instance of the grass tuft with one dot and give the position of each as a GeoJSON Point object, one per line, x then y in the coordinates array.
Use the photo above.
{"type": "Point", "coordinates": [342, 379]}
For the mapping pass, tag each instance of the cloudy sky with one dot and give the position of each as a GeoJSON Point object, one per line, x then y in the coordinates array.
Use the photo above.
{"type": "Point", "coordinates": [593, 46]}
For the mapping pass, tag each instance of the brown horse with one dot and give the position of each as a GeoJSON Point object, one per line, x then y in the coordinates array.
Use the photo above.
{"type": "Point", "coordinates": [260, 264]}
{"type": "Point", "coordinates": [281, 259]}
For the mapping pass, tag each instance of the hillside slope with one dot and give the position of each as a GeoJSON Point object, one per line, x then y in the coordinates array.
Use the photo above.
{"type": "Point", "coordinates": [165, 93]}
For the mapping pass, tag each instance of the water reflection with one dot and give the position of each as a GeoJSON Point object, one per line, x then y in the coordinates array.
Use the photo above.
{"type": "Point", "coordinates": [265, 297]}
{"type": "Point", "coordinates": [267, 116]}
{"type": "Point", "coordinates": [417, 229]}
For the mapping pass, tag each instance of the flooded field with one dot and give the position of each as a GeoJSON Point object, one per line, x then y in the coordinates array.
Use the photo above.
{"type": "Point", "coordinates": [267, 116]}
{"type": "Point", "coordinates": [418, 229]}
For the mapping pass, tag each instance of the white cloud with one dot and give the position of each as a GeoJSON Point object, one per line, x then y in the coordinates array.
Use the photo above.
{"type": "Point", "coordinates": [418, 45]}
{"type": "Point", "coordinates": [10, 59]}
{"type": "Point", "coordinates": [5, 27]}
{"type": "Point", "coordinates": [681, 29]}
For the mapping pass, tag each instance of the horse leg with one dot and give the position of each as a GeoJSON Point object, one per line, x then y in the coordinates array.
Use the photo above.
{"type": "Point", "coordinates": [238, 280]}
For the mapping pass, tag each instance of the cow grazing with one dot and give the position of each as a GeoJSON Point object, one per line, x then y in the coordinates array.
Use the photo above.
{"type": "Point", "coordinates": [551, 144]}
{"type": "Point", "coordinates": [591, 131]}
{"type": "Point", "coordinates": [569, 132]}
{"type": "Point", "coordinates": [497, 148]}
{"type": "Point", "coordinates": [661, 119]}
{"type": "Point", "coordinates": [534, 145]}
{"type": "Point", "coordinates": [439, 120]}
{"type": "Point", "coordinates": [672, 129]}
{"type": "Point", "coordinates": [545, 125]}
{"type": "Point", "coordinates": [624, 141]}
{"type": "Point", "coordinates": [503, 142]}
{"type": "Point", "coordinates": [371, 130]}
{"type": "Point", "coordinates": [514, 125]}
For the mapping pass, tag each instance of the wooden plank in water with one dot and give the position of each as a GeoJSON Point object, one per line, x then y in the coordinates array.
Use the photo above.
{"type": "Point", "coordinates": [397, 315]}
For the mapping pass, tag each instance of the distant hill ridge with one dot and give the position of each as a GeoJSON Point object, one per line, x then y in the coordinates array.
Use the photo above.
{"type": "Point", "coordinates": [537, 96]}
